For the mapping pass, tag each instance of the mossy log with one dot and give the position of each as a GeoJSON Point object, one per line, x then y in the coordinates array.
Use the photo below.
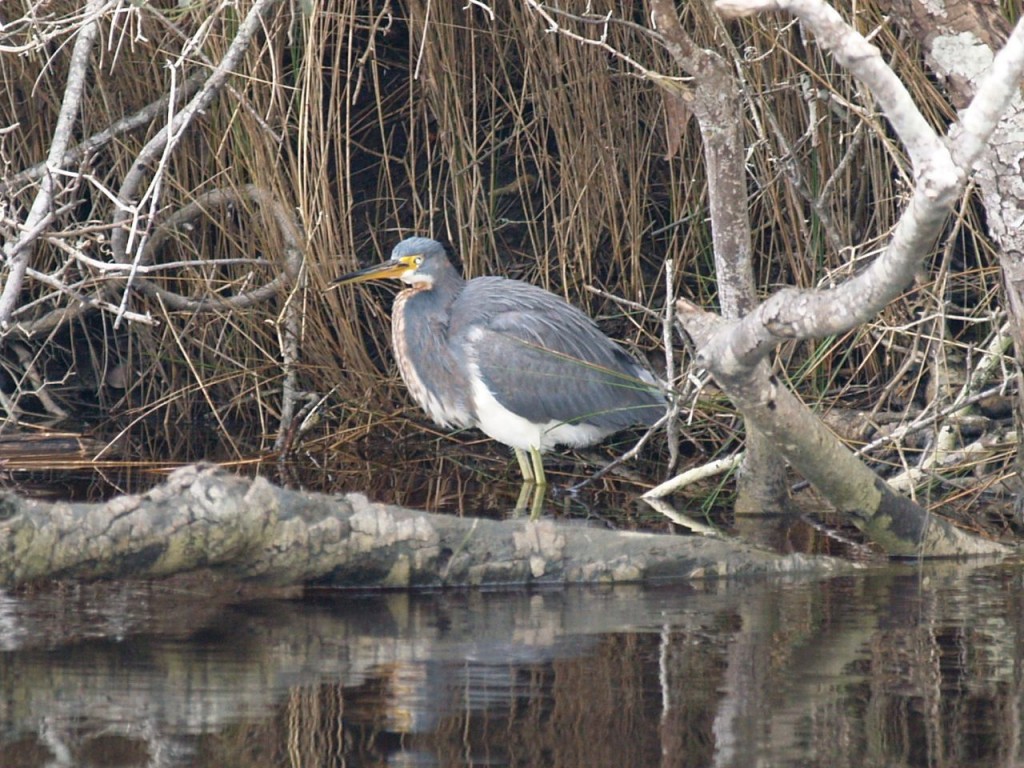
{"type": "Point", "coordinates": [205, 518]}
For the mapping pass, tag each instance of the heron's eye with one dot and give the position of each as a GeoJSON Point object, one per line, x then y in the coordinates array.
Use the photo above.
{"type": "Point", "coordinates": [417, 261]}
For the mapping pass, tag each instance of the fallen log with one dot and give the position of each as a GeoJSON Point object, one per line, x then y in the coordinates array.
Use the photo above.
{"type": "Point", "coordinates": [205, 518]}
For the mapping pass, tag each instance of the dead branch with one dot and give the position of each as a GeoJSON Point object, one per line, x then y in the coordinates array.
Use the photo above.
{"type": "Point", "coordinates": [19, 253]}
{"type": "Point", "coordinates": [169, 135]}
{"type": "Point", "coordinates": [203, 517]}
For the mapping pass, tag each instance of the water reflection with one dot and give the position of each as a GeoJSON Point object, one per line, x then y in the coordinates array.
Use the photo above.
{"type": "Point", "coordinates": [903, 667]}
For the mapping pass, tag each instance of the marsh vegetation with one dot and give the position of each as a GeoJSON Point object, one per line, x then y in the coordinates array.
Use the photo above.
{"type": "Point", "coordinates": [172, 221]}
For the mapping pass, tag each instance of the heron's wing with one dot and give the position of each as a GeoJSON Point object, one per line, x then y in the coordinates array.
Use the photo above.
{"type": "Point", "coordinates": [546, 361]}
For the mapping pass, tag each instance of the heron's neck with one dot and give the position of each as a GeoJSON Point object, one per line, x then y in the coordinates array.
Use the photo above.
{"type": "Point", "coordinates": [443, 291]}
{"type": "Point", "coordinates": [435, 376]}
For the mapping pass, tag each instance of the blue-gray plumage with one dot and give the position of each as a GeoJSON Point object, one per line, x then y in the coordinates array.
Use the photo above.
{"type": "Point", "coordinates": [509, 358]}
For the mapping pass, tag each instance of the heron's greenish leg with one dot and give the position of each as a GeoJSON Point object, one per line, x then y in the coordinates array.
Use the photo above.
{"type": "Point", "coordinates": [538, 502]}
{"type": "Point", "coordinates": [524, 465]}
{"type": "Point", "coordinates": [538, 467]}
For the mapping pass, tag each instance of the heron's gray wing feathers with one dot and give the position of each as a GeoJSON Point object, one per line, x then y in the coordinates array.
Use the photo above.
{"type": "Point", "coordinates": [546, 361]}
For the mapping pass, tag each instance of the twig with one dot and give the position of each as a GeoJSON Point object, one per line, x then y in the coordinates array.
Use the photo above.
{"type": "Point", "coordinates": [548, 14]}
{"type": "Point", "coordinates": [152, 269]}
{"type": "Point", "coordinates": [683, 479]}
{"type": "Point", "coordinates": [667, 326]}
{"type": "Point", "coordinates": [28, 363]}
{"type": "Point", "coordinates": [630, 454]}
{"type": "Point", "coordinates": [22, 250]}
{"type": "Point", "coordinates": [922, 421]}
{"type": "Point", "coordinates": [155, 147]}
{"type": "Point", "coordinates": [636, 306]}
{"type": "Point", "coordinates": [140, 119]}
{"type": "Point", "coordinates": [289, 329]}
{"type": "Point", "coordinates": [288, 227]}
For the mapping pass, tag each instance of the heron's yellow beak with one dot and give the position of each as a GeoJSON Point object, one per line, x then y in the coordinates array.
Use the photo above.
{"type": "Point", "coordinates": [391, 268]}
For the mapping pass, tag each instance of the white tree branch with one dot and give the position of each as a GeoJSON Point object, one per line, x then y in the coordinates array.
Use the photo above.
{"type": "Point", "coordinates": [19, 253]}
{"type": "Point", "coordinates": [863, 60]}
{"type": "Point", "coordinates": [940, 181]}
{"type": "Point", "coordinates": [156, 147]}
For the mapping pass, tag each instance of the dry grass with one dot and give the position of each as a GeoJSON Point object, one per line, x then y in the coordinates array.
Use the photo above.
{"type": "Point", "coordinates": [534, 156]}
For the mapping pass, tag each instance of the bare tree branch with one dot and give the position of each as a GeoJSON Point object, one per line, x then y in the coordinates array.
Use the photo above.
{"type": "Point", "coordinates": [19, 253]}
{"type": "Point", "coordinates": [797, 314]}
{"type": "Point", "coordinates": [168, 136]}
{"type": "Point", "coordinates": [203, 517]}
{"type": "Point", "coordinates": [140, 119]}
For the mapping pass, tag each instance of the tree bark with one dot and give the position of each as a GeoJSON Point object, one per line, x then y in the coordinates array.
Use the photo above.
{"type": "Point", "coordinates": [205, 518]}
{"type": "Point", "coordinates": [734, 352]}
{"type": "Point", "coordinates": [960, 39]}
{"type": "Point", "coordinates": [899, 526]}
{"type": "Point", "coordinates": [715, 102]}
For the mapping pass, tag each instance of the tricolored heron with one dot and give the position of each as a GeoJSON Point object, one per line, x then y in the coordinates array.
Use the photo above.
{"type": "Point", "coordinates": [507, 357]}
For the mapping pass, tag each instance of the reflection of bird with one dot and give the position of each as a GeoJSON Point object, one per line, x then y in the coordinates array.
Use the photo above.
{"type": "Point", "coordinates": [519, 363]}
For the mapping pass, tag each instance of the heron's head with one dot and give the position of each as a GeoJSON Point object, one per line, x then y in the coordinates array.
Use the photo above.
{"type": "Point", "coordinates": [418, 261]}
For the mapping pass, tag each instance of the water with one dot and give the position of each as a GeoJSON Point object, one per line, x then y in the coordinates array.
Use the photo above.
{"type": "Point", "coordinates": [903, 666]}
